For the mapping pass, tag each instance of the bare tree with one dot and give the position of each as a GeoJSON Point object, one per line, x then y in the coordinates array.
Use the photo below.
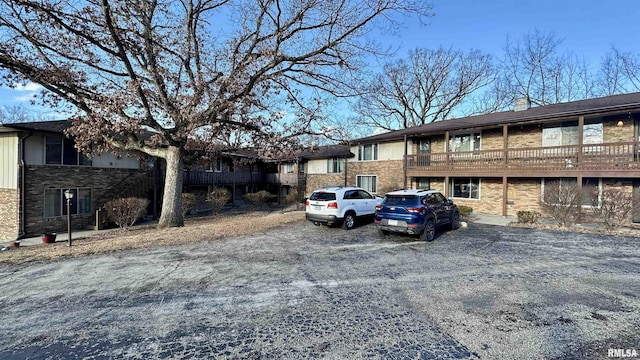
{"type": "Point", "coordinates": [538, 70]}
{"type": "Point", "coordinates": [620, 72]}
{"type": "Point", "coordinates": [426, 87]}
{"type": "Point", "coordinates": [219, 72]}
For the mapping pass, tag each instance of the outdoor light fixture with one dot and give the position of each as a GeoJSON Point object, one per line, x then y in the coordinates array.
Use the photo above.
{"type": "Point", "coordinates": [68, 194]}
{"type": "Point", "coordinates": [620, 123]}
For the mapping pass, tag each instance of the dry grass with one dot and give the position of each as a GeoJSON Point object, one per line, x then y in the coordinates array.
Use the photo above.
{"type": "Point", "coordinates": [195, 230]}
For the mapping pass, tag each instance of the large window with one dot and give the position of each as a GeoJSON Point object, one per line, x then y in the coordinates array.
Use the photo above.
{"type": "Point", "coordinates": [567, 134]}
{"type": "Point", "coordinates": [215, 166]}
{"type": "Point", "coordinates": [335, 165]}
{"type": "Point", "coordinates": [55, 203]}
{"type": "Point", "coordinates": [287, 168]}
{"type": "Point", "coordinates": [423, 183]}
{"type": "Point", "coordinates": [464, 142]}
{"type": "Point", "coordinates": [61, 151]}
{"type": "Point", "coordinates": [367, 182]}
{"type": "Point", "coordinates": [558, 190]}
{"type": "Point", "coordinates": [464, 188]}
{"type": "Point", "coordinates": [368, 152]}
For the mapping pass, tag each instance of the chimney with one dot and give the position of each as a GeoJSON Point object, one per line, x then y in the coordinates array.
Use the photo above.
{"type": "Point", "coordinates": [522, 103]}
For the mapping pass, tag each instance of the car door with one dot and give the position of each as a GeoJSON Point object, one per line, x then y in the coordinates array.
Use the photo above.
{"type": "Point", "coordinates": [368, 203]}
{"type": "Point", "coordinates": [352, 201]}
{"type": "Point", "coordinates": [436, 202]}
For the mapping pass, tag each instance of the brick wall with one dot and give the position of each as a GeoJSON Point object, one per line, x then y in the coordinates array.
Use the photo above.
{"type": "Point", "coordinates": [316, 181]}
{"type": "Point", "coordinates": [527, 136]}
{"type": "Point", "coordinates": [9, 201]}
{"type": "Point", "coordinates": [104, 183]}
{"type": "Point", "coordinates": [389, 174]}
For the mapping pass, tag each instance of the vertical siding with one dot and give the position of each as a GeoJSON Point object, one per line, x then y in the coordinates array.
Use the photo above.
{"type": "Point", "coordinates": [9, 161]}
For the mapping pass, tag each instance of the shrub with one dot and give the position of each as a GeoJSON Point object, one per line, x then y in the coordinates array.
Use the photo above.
{"type": "Point", "coordinates": [126, 211]}
{"type": "Point", "coordinates": [528, 217]}
{"type": "Point", "coordinates": [219, 197]}
{"type": "Point", "coordinates": [614, 207]}
{"type": "Point", "coordinates": [562, 201]}
{"type": "Point", "coordinates": [259, 198]}
{"type": "Point", "coordinates": [465, 211]}
{"type": "Point", "coordinates": [188, 203]}
{"type": "Point", "coordinates": [293, 196]}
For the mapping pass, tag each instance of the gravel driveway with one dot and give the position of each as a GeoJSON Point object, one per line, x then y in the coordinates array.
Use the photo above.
{"type": "Point", "coordinates": [315, 292]}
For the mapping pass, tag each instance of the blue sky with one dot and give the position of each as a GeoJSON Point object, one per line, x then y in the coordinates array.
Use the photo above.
{"type": "Point", "coordinates": [588, 27]}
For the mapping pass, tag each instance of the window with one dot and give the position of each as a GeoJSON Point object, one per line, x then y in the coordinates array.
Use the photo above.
{"type": "Point", "coordinates": [567, 134]}
{"type": "Point", "coordinates": [464, 142]}
{"type": "Point", "coordinates": [367, 182]}
{"type": "Point", "coordinates": [423, 183]}
{"type": "Point", "coordinates": [301, 168]}
{"type": "Point", "coordinates": [335, 165]}
{"type": "Point", "coordinates": [216, 166]}
{"type": "Point", "coordinates": [464, 188]}
{"type": "Point", "coordinates": [287, 168]}
{"type": "Point", "coordinates": [61, 151]}
{"type": "Point", "coordinates": [562, 188]}
{"type": "Point", "coordinates": [55, 204]}
{"type": "Point", "coordinates": [424, 146]}
{"type": "Point", "coordinates": [368, 152]}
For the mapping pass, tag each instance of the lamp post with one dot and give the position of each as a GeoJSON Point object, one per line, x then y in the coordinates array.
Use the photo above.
{"type": "Point", "coordinates": [68, 195]}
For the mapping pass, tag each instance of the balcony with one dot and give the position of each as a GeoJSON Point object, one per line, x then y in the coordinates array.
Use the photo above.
{"type": "Point", "coordinates": [205, 178]}
{"type": "Point", "coordinates": [614, 159]}
{"type": "Point", "coordinates": [285, 179]}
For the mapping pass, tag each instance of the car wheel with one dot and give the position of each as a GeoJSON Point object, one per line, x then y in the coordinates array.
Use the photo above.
{"type": "Point", "coordinates": [455, 221]}
{"type": "Point", "coordinates": [383, 232]}
{"type": "Point", "coordinates": [429, 231]}
{"type": "Point", "coordinates": [349, 221]}
{"type": "Point", "coordinates": [316, 223]}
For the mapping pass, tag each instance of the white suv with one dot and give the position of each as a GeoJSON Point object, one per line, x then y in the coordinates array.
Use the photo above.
{"type": "Point", "coordinates": [338, 204]}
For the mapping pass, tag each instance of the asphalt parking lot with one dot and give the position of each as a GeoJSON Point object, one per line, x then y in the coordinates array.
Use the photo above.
{"type": "Point", "coordinates": [303, 291]}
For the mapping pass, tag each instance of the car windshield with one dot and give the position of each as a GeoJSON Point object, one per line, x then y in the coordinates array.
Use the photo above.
{"type": "Point", "coordinates": [323, 196]}
{"type": "Point", "coordinates": [400, 200]}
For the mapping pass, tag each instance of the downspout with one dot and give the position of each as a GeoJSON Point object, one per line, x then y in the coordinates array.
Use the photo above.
{"type": "Point", "coordinates": [22, 221]}
{"type": "Point", "coordinates": [345, 170]}
{"type": "Point", "coordinates": [404, 163]}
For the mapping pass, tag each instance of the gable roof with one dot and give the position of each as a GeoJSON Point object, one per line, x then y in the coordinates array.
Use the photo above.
{"type": "Point", "coordinates": [53, 126]}
{"type": "Point", "coordinates": [326, 152]}
{"type": "Point", "coordinates": [549, 112]}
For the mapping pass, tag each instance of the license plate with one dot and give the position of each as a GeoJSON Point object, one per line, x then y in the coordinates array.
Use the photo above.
{"type": "Point", "coordinates": [317, 207]}
{"type": "Point", "coordinates": [392, 222]}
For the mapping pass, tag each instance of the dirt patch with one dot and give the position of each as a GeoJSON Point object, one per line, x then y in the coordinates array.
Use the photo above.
{"type": "Point", "coordinates": [195, 230]}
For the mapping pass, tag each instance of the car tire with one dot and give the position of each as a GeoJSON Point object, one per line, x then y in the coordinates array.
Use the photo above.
{"type": "Point", "coordinates": [383, 233]}
{"type": "Point", "coordinates": [455, 221]}
{"type": "Point", "coordinates": [349, 220]}
{"type": "Point", "coordinates": [429, 231]}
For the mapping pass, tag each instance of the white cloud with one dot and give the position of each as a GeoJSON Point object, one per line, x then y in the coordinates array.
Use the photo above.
{"type": "Point", "coordinates": [23, 98]}
{"type": "Point", "coordinates": [28, 87]}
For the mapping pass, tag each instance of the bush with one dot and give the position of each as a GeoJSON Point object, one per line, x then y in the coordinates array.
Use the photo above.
{"type": "Point", "coordinates": [562, 201]}
{"type": "Point", "coordinates": [126, 211]}
{"type": "Point", "coordinates": [219, 197]}
{"type": "Point", "coordinates": [259, 198]}
{"type": "Point", "coordinates": [528, 217]}
{"type": "Point", "coordinates": [293, 196]}
{"type": "Point", "coordinates": [614, 207]}
{"type": "Point", "coordinates": [465, 211]}
{"type": "Point", "coordinates": [188, 203]}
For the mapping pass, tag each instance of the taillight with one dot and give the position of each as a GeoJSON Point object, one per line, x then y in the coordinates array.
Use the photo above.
{"type": "Point", "coordinates": [378, 207]}
{"type": "Point", "coordinates": [306, 203]}
{"type": "Point", "coordinates": [332, 205]}
{"type": "Point", "coordinates": [415, 210]}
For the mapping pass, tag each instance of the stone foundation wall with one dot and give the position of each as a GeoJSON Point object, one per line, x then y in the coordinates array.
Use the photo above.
{"type": "Point", "coordinates": [9, 205]}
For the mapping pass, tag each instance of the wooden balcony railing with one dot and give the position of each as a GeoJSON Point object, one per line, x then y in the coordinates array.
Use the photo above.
{"type": "Point", "coordinates": [571, 157]}
{"type": "Point", "coordinates": [201, 177]}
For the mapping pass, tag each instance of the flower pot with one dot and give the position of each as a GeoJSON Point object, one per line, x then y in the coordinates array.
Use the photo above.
{"type": "Point", "coordinates": [49, 238]}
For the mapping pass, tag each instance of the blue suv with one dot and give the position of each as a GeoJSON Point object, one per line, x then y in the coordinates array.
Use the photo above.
{"type": "Point", "coordinates": [416, 212]}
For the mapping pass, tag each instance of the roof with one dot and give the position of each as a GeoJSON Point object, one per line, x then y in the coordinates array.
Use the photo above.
{"type": "Point", "coordinates": [411, 192]}
{"type": "Point", "coordinates": [625, 102]}
{"type": "Point", "coordinates": [327, 151]}
{"type": "Point", "coordinates": [54, 126]}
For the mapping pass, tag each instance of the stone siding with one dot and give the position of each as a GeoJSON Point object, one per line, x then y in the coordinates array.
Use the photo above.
{"type": "Point", "coordinates": [104, 183]}
{"type": "Point", "coordinates": [9, 205]}
{"type": "Point", "coordinates": [524, 137]}
{"type": "Point", "coordinates": [491, 139]}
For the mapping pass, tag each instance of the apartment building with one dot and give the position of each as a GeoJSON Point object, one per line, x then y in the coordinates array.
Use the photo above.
{"type": "Point", "coordinates": [499, 163]}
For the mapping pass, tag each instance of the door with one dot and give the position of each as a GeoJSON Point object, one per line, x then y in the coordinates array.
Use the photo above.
{"type": "Point", "coordinates": [424, 152]}
{"type": "Point", "coordinates": [635, 215]}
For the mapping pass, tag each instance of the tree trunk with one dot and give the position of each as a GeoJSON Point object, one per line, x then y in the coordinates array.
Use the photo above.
{"type": "Point", "coordinates": [171, 215]}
